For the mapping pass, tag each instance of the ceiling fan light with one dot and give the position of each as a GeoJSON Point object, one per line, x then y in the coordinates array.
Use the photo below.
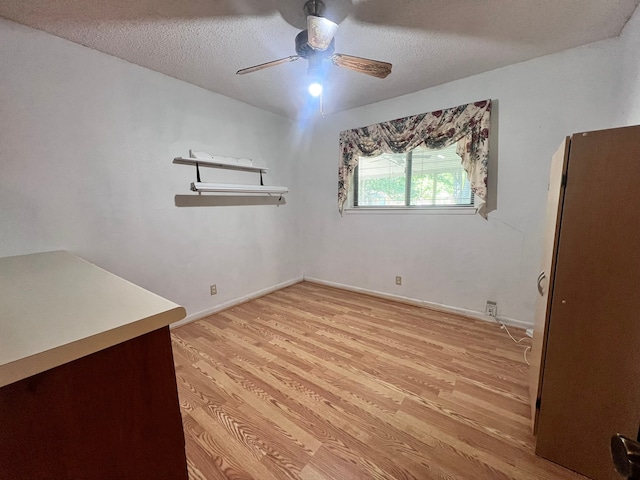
{"type": "Point", "coordinates": [315, 89]}
{"type": "Point", "coordinates": [320, 31]}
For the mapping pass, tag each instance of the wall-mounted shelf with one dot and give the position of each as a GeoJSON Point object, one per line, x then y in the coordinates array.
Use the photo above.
{"type": "Point", "coordinates": [219, 162]}
{"type": "Point", "coordinates": [230, 187]}
{"type": "Point", "coordinates": [205, 160]}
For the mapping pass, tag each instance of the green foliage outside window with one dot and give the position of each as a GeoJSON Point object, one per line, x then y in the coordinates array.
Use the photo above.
{"type": "Point", "coordinates": [436, 178]}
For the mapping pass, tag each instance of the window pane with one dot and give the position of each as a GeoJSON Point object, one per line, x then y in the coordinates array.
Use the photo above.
{"type": "Point", "coordinates": [381, 180]}
{"type": "Point", "coordinates": [437, 178]}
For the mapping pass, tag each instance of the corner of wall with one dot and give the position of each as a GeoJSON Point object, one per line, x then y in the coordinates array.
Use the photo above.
{"type": "Point", "coordinates": [629, 72]}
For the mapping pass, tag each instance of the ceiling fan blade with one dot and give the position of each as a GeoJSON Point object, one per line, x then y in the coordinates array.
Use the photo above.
{"type": "Point", "coordinates": [374, 68]}
{"type": "Point", "coordinates": [320, 32]}
{"type": "Point", "coordinates": [267, 65]}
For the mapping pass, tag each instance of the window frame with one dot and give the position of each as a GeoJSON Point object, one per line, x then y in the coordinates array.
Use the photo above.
{"type": "Point", "coordinates": [407, 208]}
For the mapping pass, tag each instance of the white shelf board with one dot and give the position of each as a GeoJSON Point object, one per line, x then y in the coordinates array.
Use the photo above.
{"type": "Point", "coordinates": [236, 188]}
{"type": "Point", "coordinates": [219, 162]}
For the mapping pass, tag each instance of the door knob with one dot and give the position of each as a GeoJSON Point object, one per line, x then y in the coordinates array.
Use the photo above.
{"type": "Point", "coordinates": [626, 456]}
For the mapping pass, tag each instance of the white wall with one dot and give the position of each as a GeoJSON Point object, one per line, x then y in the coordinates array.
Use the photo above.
{"type": "Point", "coordinates": [461, 260]}
{"type": "Point", "coordinates": [86, 149]}
{"type": "Point", "coordinates": [629, 73]}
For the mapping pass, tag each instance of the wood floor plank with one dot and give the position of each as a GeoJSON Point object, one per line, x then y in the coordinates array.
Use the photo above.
{"type": "Point", "coordinates": [261, 401]}
{"type": "Point", "coordinates": [206, 455]}
{"type": "Point", "coordinates": [316, 383]}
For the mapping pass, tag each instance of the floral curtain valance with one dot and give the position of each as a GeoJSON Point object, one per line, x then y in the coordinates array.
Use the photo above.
{"type": "Point", "coordinates": [466, 125]}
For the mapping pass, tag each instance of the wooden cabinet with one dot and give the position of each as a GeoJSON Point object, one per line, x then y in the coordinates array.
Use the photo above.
{"type": "Point", "coordinates": [113, 414]}
{"type": "Point", "coordinates": [585, 365]}
{"type": "Point", "coordinates": [87, 381]}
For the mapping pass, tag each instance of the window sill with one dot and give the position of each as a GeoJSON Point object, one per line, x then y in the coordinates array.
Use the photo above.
{"type": "Point", "coordinates": [411, 210]}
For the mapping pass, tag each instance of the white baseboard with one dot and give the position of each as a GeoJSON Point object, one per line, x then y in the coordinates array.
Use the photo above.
{"type": "Point", "coordinates": [232, 303]}
{"type": "Point", "coordinates": [422, 303]}
{"type": "Point", "coordinates": [387, 296]}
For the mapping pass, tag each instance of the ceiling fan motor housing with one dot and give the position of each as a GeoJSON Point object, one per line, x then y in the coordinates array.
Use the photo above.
{"type": "Point", "coordinates": [314, 7]}
{"type": "Point", "coordinates": [304, 49]}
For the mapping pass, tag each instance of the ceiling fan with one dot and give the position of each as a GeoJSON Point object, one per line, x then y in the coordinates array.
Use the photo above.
{"type": "Point", "coordinates": [316, 44]}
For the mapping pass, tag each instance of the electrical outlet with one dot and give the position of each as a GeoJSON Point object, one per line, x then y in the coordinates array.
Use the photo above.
{"type": "Point", "coordinates": [214, 289]}
{"type": "Point", "coordinates": [398, 280]}
{"type": "Point", "coordinates": [491, 309]}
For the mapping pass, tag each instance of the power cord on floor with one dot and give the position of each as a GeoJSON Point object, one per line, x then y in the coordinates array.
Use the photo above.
{"type": "Point", "coordinates": [517, 342]}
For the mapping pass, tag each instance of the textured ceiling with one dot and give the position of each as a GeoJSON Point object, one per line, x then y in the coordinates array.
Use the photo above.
{"type": "Point", "coordinates": [429, 42]}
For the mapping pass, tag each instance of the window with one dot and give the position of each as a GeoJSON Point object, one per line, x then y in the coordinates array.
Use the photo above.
{"type": "Point", "coordinates": [420, 178]}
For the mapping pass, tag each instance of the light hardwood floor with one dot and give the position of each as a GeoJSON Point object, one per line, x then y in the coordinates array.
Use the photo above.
{"type": "Point", "coordinates": [317, 383]}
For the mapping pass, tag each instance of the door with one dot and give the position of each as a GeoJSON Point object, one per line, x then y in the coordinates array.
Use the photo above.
{"type": "Point", "coordinates": [550, 241]}
{"type": "Point", "coordinates": [591, 382]}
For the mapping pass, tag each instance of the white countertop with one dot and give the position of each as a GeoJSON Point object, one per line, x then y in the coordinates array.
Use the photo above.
{"type": "Point", "coordinates": [56, 307]}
